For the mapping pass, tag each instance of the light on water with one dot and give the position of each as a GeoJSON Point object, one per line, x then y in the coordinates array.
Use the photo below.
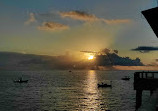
{"type": "Point", "coordinates": [91, 92]}
{"type": "Point", "coordinates": [64, 90]}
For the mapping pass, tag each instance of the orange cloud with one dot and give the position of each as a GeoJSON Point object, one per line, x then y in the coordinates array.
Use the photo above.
{"type": "Point", "coordinates": [116, 21]}
{"type": "Point", "coordinates": [135, 67]}
{"type": "Point", "coordinates": [52, 26]}
{"type": "Point", "coordinates": [146, 68]}
{"type": "Point", "coordinates": [83, 16]}
{"type": "Point", "coordinates": [78, 15]}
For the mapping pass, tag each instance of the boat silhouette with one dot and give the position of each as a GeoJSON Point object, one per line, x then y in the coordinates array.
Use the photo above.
{"type": "Point", "coordinates": [127, 78]}
{"type": "Point", "coordinates": [20, 81]}
{"type": "Point", "coordinates": [105, 85]}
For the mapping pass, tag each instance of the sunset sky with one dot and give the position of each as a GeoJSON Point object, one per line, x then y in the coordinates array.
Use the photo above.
{"type": "Point", "coordinates": [53, 27]}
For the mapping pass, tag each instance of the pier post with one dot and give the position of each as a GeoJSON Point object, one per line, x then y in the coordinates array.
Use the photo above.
{"type": "Point", "coordinates": [138, 98]}
{"type": "Point", "coordinates": [151, 92]}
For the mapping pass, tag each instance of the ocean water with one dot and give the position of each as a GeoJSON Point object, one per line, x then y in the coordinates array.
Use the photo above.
{"type": "Point", "coordinates": [67, 91]}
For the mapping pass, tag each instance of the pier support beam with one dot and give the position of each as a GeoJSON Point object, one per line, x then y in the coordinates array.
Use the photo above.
{"type": "Point", "coordinates": [151, 92]}
{"type": "Point", "coordinates": [138, 98]}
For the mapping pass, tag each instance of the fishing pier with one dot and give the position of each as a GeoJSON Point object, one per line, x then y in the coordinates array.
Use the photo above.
{"type": "Point", "coordinates": [144, 81]}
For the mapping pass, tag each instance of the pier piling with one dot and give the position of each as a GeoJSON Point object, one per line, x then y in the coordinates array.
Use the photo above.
{"type": "Point", "coordinates": [144, 81]}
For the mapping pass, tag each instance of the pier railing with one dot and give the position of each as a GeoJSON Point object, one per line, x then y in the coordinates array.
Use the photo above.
{"type": "Point", "coordinates": [145, 80]}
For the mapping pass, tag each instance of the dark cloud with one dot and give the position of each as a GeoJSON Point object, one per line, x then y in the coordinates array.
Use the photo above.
{"type": "Point", "coordinates": [88, 51]}
{"type": "Point", "coordinates": [105, 51]}
{"type": "Point", "coordinates": [109, 57]}
{"type": "Point", "coordinates": [19, 61]}
{"type": "Point", "coordinates": [116, 51]}
{"type": "Point", "coordinates": [52, 26]}
{"type": "Point", "coordinates": [114, 59]}
{"type": "Point", "coordinates": [145, 49]}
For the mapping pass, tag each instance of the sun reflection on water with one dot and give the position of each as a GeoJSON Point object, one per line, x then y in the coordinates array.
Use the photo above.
{"type": "Point", "coordinates": [91, 99]}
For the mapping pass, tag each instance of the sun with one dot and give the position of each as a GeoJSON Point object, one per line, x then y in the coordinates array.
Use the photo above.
{"type": "Point", "coordinates": [91, 57]}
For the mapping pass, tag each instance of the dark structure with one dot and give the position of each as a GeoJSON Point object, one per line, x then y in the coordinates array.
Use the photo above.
{"type": "Point", "coordinates": [147, 80]}
{"type": "Point", "coordinates": [152, 17]}
{"type": "Point", "coordinates": [144, 81]}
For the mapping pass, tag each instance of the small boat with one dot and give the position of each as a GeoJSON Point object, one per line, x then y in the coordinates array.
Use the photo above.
{"type": "Point", "coordinates": [126, 78]}
{"type": "Point", "coordinates": [105, 85]}
{"type": "Point", "coordinates": [20, 81]}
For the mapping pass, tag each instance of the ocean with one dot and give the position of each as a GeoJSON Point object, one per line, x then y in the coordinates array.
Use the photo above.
{"type": "Point", "coordinates": [61, 90]}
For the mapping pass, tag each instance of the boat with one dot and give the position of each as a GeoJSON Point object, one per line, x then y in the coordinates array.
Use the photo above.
{"type": "Point", "coordinates": [105, 85]}
{"type": "Point", "coordinates": [20, 81]}
{"type": "Point", "coordinates": [70, 71]}
{"type": "Point", "coordinates": [126, 78]}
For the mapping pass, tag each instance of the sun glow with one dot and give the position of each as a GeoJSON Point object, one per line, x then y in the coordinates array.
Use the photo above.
{"type": "Point", "coordinates": [90, 57]}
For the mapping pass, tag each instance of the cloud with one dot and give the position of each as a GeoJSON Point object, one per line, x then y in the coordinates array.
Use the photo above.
{"type": "Point", "coordinates": [31, 19]}
{"type": "Point", "coordinates": [147, 68]}
{"type": "Point", "coordinates": [88, 51]}
{"type": "Point", "coordinates": [110, 57]}
{"type": "Point", "coordinates": [52, 26]}
{"type": "Point", "coordinates": [145, 49]}
{"type": "Point", "coordinates": [79, 15]}
{"type": "Point", "coordinates": [116, 51]}
{"type": "Point", "coordinates": [83, 16]}
{"type": "Point", "coordinates": [116, 21]}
